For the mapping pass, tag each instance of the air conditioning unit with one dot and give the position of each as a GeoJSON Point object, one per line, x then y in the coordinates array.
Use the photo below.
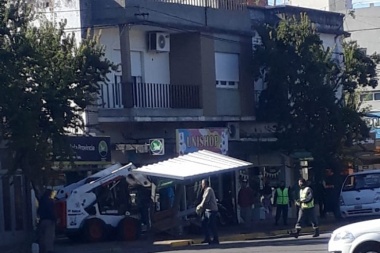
{"type": "Point", "coordinates": [233, 130]}
{"type": "Point", "coordinates": [159, 41]}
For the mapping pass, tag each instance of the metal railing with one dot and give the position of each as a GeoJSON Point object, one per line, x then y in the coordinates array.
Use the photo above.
{"type": "Point", "coordinates": [111, 95]}
{"type": "Point", "coordinates": [156, 95]}
{"type": "Point", "coordinates": [215, 4]}
{"type": "Point", "coordinates": [151, 95]}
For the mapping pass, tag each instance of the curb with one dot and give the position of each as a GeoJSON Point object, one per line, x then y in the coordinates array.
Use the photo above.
{"type": "Point", "coordinates": [243, 237]}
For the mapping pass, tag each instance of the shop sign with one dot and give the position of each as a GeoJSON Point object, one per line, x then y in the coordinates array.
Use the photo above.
{"type": "Point", "coordinates": [192, 140]}
{"type": "Point", "coordinates": [90, 150]}
{"type": "Point", "coordinates": [157, 146]}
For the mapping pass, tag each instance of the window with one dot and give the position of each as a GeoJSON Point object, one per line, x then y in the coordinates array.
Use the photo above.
{"type": "Point", "coordinates": [227, 70]}
{"type": "Point", "coordinates": [366, 97]}
{"type": "Point", "coordinates": [377, 96]}
{"type": "Point", "coordinates": [362, 182]}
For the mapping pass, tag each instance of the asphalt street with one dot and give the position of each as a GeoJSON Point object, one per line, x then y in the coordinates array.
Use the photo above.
{"type": "Point", "coordinates": [284, 245]}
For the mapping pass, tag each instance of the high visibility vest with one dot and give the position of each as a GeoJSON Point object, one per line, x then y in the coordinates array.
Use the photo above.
{"type": "Point", "coordinates": [303, 195]}
{"type": "Point", "coordinates": [282, 196]}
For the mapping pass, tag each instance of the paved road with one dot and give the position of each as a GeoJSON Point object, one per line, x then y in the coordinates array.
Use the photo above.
{"type": "Point", "coordinates": [305, 244]}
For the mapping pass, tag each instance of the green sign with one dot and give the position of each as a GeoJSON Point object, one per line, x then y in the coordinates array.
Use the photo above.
{"type": "Point", "coordinates": [157, 146]}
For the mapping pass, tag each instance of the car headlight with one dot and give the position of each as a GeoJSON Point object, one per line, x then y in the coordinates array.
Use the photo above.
{"type": "Point", "coordinates": [344, 236]}
{"type": "Point", "coordinates": [341, 200]}
{"type": "Point", "coordinates": [377, 198]}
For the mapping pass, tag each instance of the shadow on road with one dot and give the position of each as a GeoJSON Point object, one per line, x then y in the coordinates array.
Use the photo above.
{"type": "Point", "coordinates": [148, 247]}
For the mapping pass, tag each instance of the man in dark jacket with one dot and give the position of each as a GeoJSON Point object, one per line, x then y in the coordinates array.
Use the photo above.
{"type": "Point", "coordinates": [47, 222]}
{"type": "Point", "coordinates": [245, 201]}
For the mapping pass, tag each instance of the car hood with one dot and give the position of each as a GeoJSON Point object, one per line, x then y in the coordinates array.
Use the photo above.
{"type": "Point", "coordinates": [358, 228]}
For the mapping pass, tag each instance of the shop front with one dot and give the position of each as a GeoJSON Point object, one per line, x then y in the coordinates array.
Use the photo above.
{"type": "Point", "coordinates": [224, 185]}
{"type": "Point", "coordinates": [89, 155]}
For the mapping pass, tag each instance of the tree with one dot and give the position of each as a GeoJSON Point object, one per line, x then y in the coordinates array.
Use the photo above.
{"type": "Point", "coordinates": [47, 83]}
{"type": "Point", "coordinates": [301, 96]}
{"type": "Point", "coordinates": [359, 71]}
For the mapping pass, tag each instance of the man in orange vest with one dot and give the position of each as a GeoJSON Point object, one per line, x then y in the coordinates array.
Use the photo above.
{"type": "Point", "coordinates": [282, 201]}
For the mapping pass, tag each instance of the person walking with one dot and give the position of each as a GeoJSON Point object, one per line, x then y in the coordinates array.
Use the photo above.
{"type": "Point", "coordinates": [209, 209]}
{"type": "Point", "coordinates": [282, 201]}
{"type": "Point", "coordinates": [245, 202]}
{"type": "Point", "coordinates": [306, 211]}
{"type": "Point", "coordinates": [47, 221]}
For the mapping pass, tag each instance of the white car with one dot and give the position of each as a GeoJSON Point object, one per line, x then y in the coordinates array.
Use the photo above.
{"type": "Point", "coordinates": [360, 237]}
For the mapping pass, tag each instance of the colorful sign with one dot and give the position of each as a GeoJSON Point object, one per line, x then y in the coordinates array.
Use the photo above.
{"type": "Point", "coordinates": [212, 139]}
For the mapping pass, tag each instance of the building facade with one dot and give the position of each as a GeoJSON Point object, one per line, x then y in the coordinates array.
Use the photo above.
{"type": "Point", "coordinates": [365, 29]}
{"type": "Point", "coordinates": [184, 79]}
{"type": "Point", "coordinates": [324, 5]}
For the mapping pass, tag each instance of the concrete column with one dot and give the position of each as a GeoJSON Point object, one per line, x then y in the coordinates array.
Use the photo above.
{"type": "Point", "coordinates": [126, 68]}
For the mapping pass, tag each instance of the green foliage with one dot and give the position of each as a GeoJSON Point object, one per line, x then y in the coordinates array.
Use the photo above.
{"type": "Point", "coordinates": [301, 78]}
{"type": "Point", "coordinates": [47, 82]}
{"type": "Point", "coordinates": [360, 71]}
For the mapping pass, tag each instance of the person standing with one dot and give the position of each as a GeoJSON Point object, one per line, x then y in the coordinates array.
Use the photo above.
{"type": "Point", "coordinates": [245, 202]}
{"type": "Point", "coordinates": [266, 200]}
{"type": "Point", "coordinates": [306, 211]}
{"type": "Point", "coordinates": [46, 227]}
{"type": "Point", "coordinates": [209, 209]}
{"type": "Point", "coordinates": [282, 201]}
{"type": "Point", "coordinates": [332, 189]}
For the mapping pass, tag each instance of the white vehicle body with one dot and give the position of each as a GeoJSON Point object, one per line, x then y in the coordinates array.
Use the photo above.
{"type": "Point", "coordinates": [360, 194]}
{"type": "Point", "coordinates": [83, 203]}
{"type": "Point", "coordinates": [360, 237]}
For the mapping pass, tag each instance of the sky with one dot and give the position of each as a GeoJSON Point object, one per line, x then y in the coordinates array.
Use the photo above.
{"type": "Point", "coordinates": [356, 3]}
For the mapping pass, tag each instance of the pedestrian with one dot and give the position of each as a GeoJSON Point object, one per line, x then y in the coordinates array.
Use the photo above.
{"type": "Point", "coordinates": [266, 201]}
{"type": "Point", "coordinates": [282, 201]}
{"type": "Point", "coordinates": [332, 189]}
{"type": "Point", "coordinates": [306, 211]}
{"type": "Point", "coordinates": [47, 221]}
{"type": "Point", "coordinates": [208, 208]}
{"type": "Point", "coordinates": [245, 202]}
{"type": "Point", "coordinates": [144, 203]}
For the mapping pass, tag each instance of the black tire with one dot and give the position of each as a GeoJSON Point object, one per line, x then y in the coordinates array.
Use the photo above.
{"type": "Point", "coordinates": [368, 247]}
{"type": "Point", "coordinates": [94, 230]}
{"type": "Point", "coordinates": [129, 229]}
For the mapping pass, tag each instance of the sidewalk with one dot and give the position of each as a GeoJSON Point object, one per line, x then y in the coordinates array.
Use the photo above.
{"type": "Point", "coordinates": [261, 230]}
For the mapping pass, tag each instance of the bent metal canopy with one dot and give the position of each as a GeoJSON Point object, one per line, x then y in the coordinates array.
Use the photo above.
{"type": "Point", "coordinates": [193, 166]}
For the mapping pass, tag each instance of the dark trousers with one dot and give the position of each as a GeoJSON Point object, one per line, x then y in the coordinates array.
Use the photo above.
{"type": "Point", "coordinates": [209, 225]}
{"type": "Point", "coordinates": [306, 215]}
{"type": "Point", "coordinates": [46, 236]}
{"type": "Point", "coordinates": [282, 209]}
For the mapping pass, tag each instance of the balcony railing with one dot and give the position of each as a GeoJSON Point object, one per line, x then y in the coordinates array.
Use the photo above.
{"type": "Point", "coordinates": [152, 95]}
{"type": "Point", "coordinates": [215, 4]}
{"type": "Point", "coordinates": [155, 95]}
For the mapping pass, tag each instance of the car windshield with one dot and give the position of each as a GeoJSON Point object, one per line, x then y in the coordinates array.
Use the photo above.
{"type": "Point", "coordinates": [361, 182]}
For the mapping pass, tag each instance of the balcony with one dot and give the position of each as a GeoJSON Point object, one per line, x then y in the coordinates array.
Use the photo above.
{"type": "Point", "coordinates": [215, 4]}
{"type": "Point", "coordinates": [152, 95]}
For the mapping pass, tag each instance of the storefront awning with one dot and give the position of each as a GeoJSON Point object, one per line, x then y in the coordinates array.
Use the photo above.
{"type": "Point", "coordinates": [194, 166]}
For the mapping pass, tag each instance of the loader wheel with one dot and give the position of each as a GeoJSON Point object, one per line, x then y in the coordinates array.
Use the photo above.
{"type": "Point", "coordinates": [94, 230]}
{"type": "Point", "coordinates": [129, 229]}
